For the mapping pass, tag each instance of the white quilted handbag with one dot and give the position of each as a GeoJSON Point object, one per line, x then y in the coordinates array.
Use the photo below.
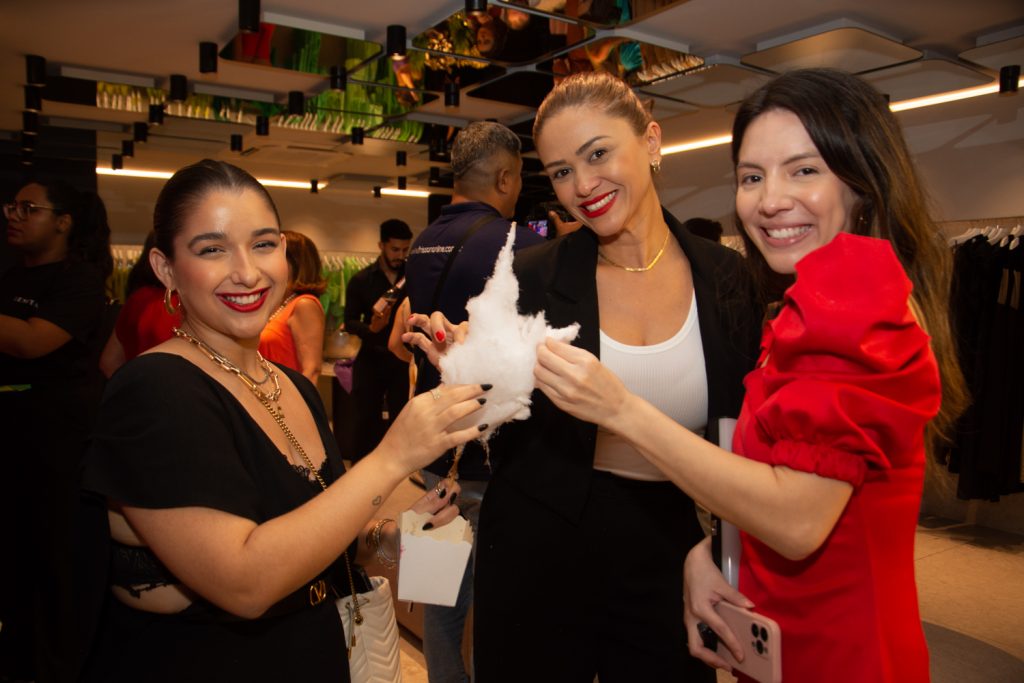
{"type": "Point", "coordinates": [371, 634]}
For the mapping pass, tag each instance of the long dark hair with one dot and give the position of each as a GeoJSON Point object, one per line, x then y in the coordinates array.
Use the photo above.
{"type": "Point", "coordinates": [188, 187]}
{"type": "Point", "coordinates": [861, 142]}
{"type": "Point", "coordinates": [89, 237]}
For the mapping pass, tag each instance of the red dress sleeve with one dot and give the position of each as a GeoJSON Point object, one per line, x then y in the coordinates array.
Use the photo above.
{"type": "Point", "coordinates": [849, 379]}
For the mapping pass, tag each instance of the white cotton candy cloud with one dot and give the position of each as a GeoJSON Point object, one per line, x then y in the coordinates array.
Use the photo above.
{"type": "Point", "coordinates": [501, 348]}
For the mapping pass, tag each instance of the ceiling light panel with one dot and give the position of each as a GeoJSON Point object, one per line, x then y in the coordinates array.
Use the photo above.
{"type": "Point", "coordinates": [714, 85]}
{"type": "Point", "coordinates": [997, 55]}
{"type": "Point", "coordinates": [851, 49]}
{"type": "Point", "coordinates": [925, 77]}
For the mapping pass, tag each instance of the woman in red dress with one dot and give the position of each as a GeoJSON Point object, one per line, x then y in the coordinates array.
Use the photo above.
{"type": "Point", "coordinates": [294, 335]}
{"type": "Point", "coordinates": [857, 375]}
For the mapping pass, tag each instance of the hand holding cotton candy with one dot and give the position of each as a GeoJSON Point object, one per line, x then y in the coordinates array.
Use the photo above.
{"type": "Point", "coordinates": [500, 348]}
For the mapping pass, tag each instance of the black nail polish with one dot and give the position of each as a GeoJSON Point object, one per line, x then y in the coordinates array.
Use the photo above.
{"type": "Point", "coordinates": [481, 401]}
{"type": "Point", "coordinates": [454, 496]}
{"type": "Point", "coordinates": [440, 494]}
{"type": "Point", "coordinates": [482, 427]}
{"type": "Point", "coordinates": [486, 387]}
{"type": "Point", "coordinates": [428, 526]}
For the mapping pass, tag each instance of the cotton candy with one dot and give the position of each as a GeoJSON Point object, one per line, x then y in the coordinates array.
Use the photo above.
{"type": "Point", "coordinates": [500, 348]}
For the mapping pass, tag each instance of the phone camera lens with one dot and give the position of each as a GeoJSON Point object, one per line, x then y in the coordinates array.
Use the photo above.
{"type": "Point", "coordinates": [753, 630]}
{"type": "Point", "coordinates": [764, 633]}
{"type": "Point", "coordinates": [759, 646]}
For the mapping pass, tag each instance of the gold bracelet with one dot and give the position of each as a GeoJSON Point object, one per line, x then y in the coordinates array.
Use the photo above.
{"type": "Point", "coordinates": [378, 547]}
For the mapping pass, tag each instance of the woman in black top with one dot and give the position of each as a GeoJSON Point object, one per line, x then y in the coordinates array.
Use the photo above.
{"type": "Point", "coordinates": [226, 502]}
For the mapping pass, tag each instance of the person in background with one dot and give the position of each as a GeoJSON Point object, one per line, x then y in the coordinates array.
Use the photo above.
{"type": "Point", "coordinates": [294, 335]}
{"type": "Point", "coordinates": [145, 320]}
{"type": "Point", "coordinates": [52, 328]}
{"type": "Point", "coordinates": [704, 227]}
{"type": "Point", "coordinates": [857, 375]}
{"type": "Point", "coordinates": [575, 517]}
{"type": "Point", "coordinates": [233, 523]}
{"type": "Point", "coordinates": [378, 377]}
{"type": "Point", "coordinates": [449, 264]}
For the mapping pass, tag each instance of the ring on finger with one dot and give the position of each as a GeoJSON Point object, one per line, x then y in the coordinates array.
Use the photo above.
{"type": "Point", "coordinates": [436, 393]}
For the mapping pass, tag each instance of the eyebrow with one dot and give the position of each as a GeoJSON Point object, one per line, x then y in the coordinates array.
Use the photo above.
{"type": "Point", "coordinates": [218, 235]}
{"type": "Point", "coordinates": [579, 152]}
{"type": "Point", "coordinates": [796, 157]}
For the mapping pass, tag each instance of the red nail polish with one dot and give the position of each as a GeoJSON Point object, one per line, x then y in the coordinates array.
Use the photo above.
{"type": "Point", "coordinates": [440, 335]}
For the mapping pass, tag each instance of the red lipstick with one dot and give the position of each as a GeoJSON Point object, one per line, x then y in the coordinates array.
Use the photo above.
{"type": "Point", "coordinates": [605, 208]}
{"type": "Point", "coordinates": [244, 308]}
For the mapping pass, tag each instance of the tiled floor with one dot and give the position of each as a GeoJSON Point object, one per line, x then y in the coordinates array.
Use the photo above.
{"type": "Point", "coordinates": [971, 588]}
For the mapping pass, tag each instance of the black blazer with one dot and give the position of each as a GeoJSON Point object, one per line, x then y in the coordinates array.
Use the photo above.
{"type": "Point", "coordinates": [550, 456]}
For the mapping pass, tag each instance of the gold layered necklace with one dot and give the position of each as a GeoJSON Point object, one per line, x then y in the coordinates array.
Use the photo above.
{"type": "Point", "coordinates": [640, 269]}
{"type": "Point", "coordinates": [247, 379]}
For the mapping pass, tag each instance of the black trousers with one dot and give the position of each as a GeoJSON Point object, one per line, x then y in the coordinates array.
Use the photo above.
{"type": "Point", "coordinates": [377, 377]}
{"type": "Point", "coordinates": [561, 602]}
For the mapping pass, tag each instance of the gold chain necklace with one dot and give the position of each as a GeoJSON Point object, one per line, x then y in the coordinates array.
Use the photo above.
{"type": "Point", "coordinates": [247, 379]}
{"type": "Point", "coordinates": [640, 269]}
{"type": "Point", "coordinates": [281, 307]}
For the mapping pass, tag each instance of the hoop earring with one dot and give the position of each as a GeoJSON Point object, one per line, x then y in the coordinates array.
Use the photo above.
{"type": "Point", "coordinates": [656, 166]}
{"type": "Point", "coordinates": [169, 302]}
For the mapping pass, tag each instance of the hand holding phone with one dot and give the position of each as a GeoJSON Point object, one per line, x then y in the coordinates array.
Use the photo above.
{"type": "Point", "coordinates": [761, 640]}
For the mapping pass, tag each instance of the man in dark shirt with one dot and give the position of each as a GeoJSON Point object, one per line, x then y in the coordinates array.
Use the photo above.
{"type": "Point", "coordinates": [470, 231]}
{"type": "Point", "coordinates": [376, 374]}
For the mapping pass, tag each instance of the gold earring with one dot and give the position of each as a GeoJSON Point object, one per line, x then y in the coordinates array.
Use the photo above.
{"type": "Point", "coordinates": [169, 302]}
{"type": "Point", "coordinates": [656, 166]}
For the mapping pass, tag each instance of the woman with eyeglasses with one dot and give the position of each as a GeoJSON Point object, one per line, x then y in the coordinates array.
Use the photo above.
{"type": "Point", "coordinates": [52, 327]}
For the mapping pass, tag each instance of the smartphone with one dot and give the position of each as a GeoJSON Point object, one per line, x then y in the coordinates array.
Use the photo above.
{"type": "Point", "coordinates": [539, 226]}
{"type": "Point", "coordinates": [761, 640]}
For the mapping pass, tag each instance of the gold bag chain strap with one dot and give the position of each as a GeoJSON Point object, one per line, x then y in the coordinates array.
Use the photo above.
{"type": "Point", "coordinates": [279, 419]}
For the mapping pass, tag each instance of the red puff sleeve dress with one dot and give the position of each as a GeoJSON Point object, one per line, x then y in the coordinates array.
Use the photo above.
{"type": "Point", "coordinates": [844, 387]}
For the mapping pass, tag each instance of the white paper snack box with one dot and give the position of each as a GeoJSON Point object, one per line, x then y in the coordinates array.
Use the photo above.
{"type": "Point", "coordinates": [432, 562]}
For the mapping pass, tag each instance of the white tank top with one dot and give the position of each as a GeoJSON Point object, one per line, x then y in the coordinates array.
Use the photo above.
{"type": "Point", "coordinates": [671, 376]}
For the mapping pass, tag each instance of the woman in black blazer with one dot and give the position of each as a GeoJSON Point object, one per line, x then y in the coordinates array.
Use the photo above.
{"type": "Point", "coordinates": [580, 549]}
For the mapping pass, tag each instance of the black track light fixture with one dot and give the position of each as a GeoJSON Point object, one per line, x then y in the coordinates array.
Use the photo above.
{"type": "Point", "coordinates": [140, 131]}
{"type": "Point", "coordinates": [339, 78]}
{"type": "Point", "coordinates": [357, 135]}
{"type": "Point", "coordinates": [1009, 79]}
{"type": "Point", "coordinates": [396, 40]}
{"type": "Point", "coordinates": [35, 70]}
{"type": "Point", "coordinates": [400, 158]}
{"type": "Point", "coordinates": [179, 88]}
{"type": "Point", "coordinates": [156, 114]}
{"type": "Point", "coordinates": [376, 191]}
{"type": "Point", "coordinates": [29, 122]}
{"type": "Point", "coordinates": [249, 16]}
{"type": "Point", "coordinates": [116, 162]}
{"type": "Point", "coordinates": [451, 94]}
{"type": "Point", "coordinates": [207, 58]}
{"type": "Point", "coordinates": [262, 125]}
{"type": "Point", "coordinates": [402, 184]}
{"type": "Point", "coordinates": [236, 142]}
{"type": "Point", "coordinates": [296, 103]}
{"type": "Point", "coordinates": [28, 141]}
{"type": "Point", "coordinates": [26, 157]}
{"type": "Point", "coordinates": [33, 99]}
{"type": "Point", "coordinates": [314, 186]}
{"type": "Point", "coordinates": [476, 7]}
{"type": "Point", "coordinates": [127, 149]}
